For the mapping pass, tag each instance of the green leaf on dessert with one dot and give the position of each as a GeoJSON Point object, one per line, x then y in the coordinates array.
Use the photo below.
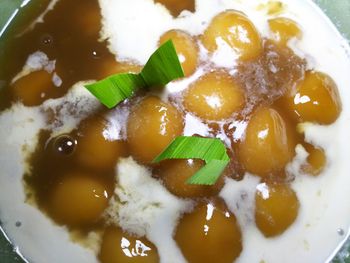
{"type": "Point", "coordinates": [162, 67]}
{"type": "Point", "coordinates": [115, 89]}
{"type": "Point", "coordinates": [211, 150]}
{"type": "Point", "coordinates": [209, 174]}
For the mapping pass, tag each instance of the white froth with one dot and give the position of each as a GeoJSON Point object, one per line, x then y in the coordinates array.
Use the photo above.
{"type": "Point", "coordinates": [194, 125]}
{"type": "Point", "coordinates": [136, 27]}
{"type": "Point", "coordinates": [224, 56]}
{"type": "Point", "coordinates": [144, 207]}
{"type": "Point", "coordinates": [69, 110]}
{"type": "Point", "coordinates": [36, 61]}
{"type": "Point", "coordinates": [116, 127]}
{"type": "Point", "coordinates": [141, 21]}
{"type": "Point", "coordinates": [240, 198]}
{"type": "Point", "coordinates": [182, 84]}
{"type": "Point", "coordinates": [38, 238]}
{"type": "Point", "coordinates": [295, 167]}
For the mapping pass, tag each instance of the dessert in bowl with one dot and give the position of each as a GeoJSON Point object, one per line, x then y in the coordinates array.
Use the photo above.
{"type": "Point", "coordinates": [265, 80]}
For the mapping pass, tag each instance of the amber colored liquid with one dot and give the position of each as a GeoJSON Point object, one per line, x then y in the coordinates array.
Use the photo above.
{"type": "Point", "coordinates": [62, 37]}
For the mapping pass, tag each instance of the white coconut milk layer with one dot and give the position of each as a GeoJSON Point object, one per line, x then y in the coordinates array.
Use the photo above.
{"type": "Point", "coordinates": [34, 234]}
